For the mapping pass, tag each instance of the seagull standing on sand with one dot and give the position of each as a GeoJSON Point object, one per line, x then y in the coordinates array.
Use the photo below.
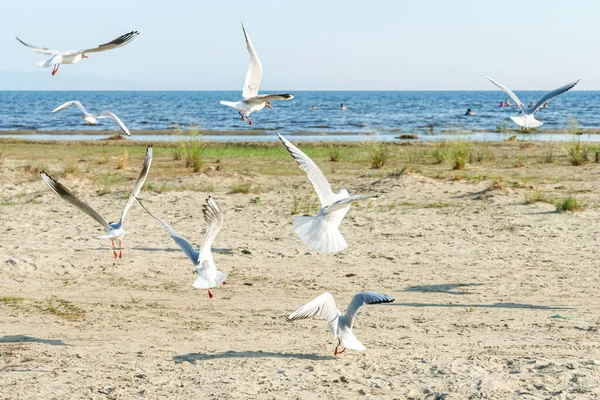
{"type": "Point", "coordinates": [74, 56]}
{"type": "Point", "coordinates": [340, 324]}
{"type": "Point", "coordinates": [252, 101]}
{"type": "Point", "coordinates": [90, 118]}
{"type": "Point", "coordinates": [527, 120]}
{"type": "Point", "coordinates": [321, 232]}
{"type": "Point", "coordinates": [208, 275]}
{"type": "Point", "coordinates": [114, 230]}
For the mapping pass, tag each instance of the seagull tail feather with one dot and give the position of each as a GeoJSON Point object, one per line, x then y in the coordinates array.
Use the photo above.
{"type": "Point", "coordinates": [350, 341]}
{"type": "Point", "coordinates": [319, 234]}
{"type": "Point", "coordinates": [229, 103]}
{"type": "Point", "coordinates": [527, 121]}
{"type": "Point", "coordinates": [208, 278]}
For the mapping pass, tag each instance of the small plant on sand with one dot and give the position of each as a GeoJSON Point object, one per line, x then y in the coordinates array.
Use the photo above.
{"type": "Point", "coordinates": [548, 155]}
{"type": "Point", "coordinates": [191, 148]}
{"type": "Point", "coordinates": [295, 204]}
{"type": "Point", "coordinates": [255, 200]}
{"type": "Point", "coordinates": [334, 152]}
{"type": "Point", "coordinates": [11, 300]}
{"type": "Point", "coordinates": [70, 169]}
{"type": "Point", "coordinates": [62, 308]}
{"type": "Point", "coordinates": [177, 153]}
{"type": "Point", "coordinates": [481, 152]}
{"type": "Point", "coordinates": [535, 196]}
{"type": "Point", "coordinates": [577, 154]}
{"type": "Point", "coordinates": [2, 155]}
{"type": "Point", "coordinates": [573, 127]}
{"type": "Point", "coordinates": [378, 155]}
{"type": "Point", "coordinates": [123, 160]}
{"type": "Point", "coordinates": [243, 188]}
{"type": "Point", "coordinates": [568, 204]}
{"type": "Point", "coordinates": [460, 155]}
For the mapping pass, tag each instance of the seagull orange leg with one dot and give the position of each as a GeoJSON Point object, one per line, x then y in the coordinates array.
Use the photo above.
{"type": "Point", "coordinates": [250, 121]}
{"type": "Point", "coordinates": [55, 69]}
{"type": "Point", "coordinates": [113, 249]}
{"type": "Point", "coordinates": [242, 115]}
{"type": "Point", "coordinates": [224, 283]}
{"type": "Point", "coordinates": [120, 249]}
{"type": "Point", "coordinates": [210, 295]}
{"type": "Point", "coordinates": [335, 352]}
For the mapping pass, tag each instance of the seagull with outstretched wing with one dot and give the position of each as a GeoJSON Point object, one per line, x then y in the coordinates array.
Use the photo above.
{"type": "Point", "coordinates": [74, 56]}
{"type": "Point", "coordinates": [114, 230]}
{"type": "Point", "coordinates": [92, 119]}
{"type": "Point", "coordinates": [340, 324]}
{"type": "Point", "coordinates": [321, 232]}
{"type": "Point", "coordinates": [208, 275]}
{"type": "Point", "coordinates": [527, 120]}
{"type": "Point", "coordinates": [252, 100]}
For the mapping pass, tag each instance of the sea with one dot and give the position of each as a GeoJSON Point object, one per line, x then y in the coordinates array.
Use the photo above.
{"type": "Point", "coordinates": [311, 115]}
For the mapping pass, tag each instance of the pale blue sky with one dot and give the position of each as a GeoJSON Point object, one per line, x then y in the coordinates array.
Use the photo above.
{"type": "Point", "coordinates": [307, 45]}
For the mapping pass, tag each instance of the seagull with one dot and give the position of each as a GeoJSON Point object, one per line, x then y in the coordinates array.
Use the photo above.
{"type": "Point", "coordinates": [92, 119]}
{"type": "Point", "coordinates": [74, 56]}
{"type": "Point", "coordinates": [208, 275]}
{"type": "Point", "coordinates": [114, 230]}
{"type": "Point", "coordinates": [252, 100]}
{"type": "Point", "coordinates": [527, 120]}
{"type": "Point", "coordinates": [340, 324]}
{"type": "Point", "coordinates": [321, 232]}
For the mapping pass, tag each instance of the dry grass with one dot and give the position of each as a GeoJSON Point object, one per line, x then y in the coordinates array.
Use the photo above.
{"type": "Point", "coordinates": [123, 160]}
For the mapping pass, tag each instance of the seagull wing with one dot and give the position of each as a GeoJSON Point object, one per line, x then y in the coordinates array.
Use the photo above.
{"type": "Point", "coordinates": [508, 92]}
{"type": "Point", "coordinates": [69, 104]}
{"type": "Point", "coordinates": [181, 242]}
{"type": "Point", "coordinates": [42, 50]}
{"type": "Point", "coordinates": [69, 197]}
{"type": "Point", "coordinates": [255, 70]}
{"type": "Point", "coordinates": [108, 114]}
{"type": "Point", "coordinates": [324, 306]}
{"type": "Point", "coordinates": [270, 97]}
{"type": "Point", "coordinates": [344, 202]}
{"type": "Point", "coordinates": [365, 298]}
{"type": "Point", "coordinates": [552, 94]}
{"type": "Point", "coordinates": [139, 183]}
{"type": "Point", "coordinates": [315, 175]}
{"type": "Point", "coordinates": [214, 220]}
{"type": "Point", "coordinates": [113, 44]}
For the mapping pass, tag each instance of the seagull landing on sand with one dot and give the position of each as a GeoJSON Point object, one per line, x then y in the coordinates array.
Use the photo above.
{"type": "Point", "coordinates": [340, 324]}
{"type": "Point", "coordinates": [321, 232]}
{"type": "Point", "coordinates": [208, 275]}
{"type": "Point", "coordinates": [74, 56]}
{"type": "Point", "coordinates": [90, 118]}
{"type": "Point", "coordinates": [252, 101]}
{"type": "Point", "coordinates": [527, 120]}
{"type": "Point", "coordinates": [114, 230]}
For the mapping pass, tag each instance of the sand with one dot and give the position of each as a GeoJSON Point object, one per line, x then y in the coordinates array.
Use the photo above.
{"type": "Point", "coordinates": [495, 298]}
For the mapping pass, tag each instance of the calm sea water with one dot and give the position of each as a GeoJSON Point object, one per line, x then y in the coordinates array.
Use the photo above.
{"type": "Point", "coordinates": [388, 113]}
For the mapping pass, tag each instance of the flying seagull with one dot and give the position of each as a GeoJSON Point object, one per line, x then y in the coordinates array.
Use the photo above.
{"type": "Point", "coordinates": [340, 324]}
{"type": "Point", "coordinates": [90, 118]}
{"type": "Point", "coordinates": [114, 230]}
{"type": "Point", "coordinates": [74, 56]}
{"type": "Point", "coordinates": [527, 120]}
{"type": "Point", "coordinates": [208, 275]}
{"type": "Point", "coordinates": [321, 232]}
{"type": "Point", "coordinates": [252, 100]}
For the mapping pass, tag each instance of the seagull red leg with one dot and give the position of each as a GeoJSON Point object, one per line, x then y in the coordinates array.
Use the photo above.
{"type": "Point", "coordinates": [113, 249]}
{"type": "Point", "coordinates": [242, 115]}
{"type": "Point", "coordinates": [250, 121]}
{"type": "Point", "coordinates": [335, 352]}
{"type": "Point", "coordinates": [120, 249]}
{"type": "Point", "coordinates": [210, 295]}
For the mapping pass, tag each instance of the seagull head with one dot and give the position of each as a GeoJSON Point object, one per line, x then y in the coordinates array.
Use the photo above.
{"type": "Point", "coordinates": [268, 104]}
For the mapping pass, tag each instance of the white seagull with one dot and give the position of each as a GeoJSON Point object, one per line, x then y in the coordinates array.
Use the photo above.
{"type": "Point", "coordinates": [252, 100]}
{"type": "Point", "coordinates": [208, 275]}
{"type": "Point", "coordinates": [340, 324]}
{"type": "Point", "coordinates": [321, 232]}
{"type": "Point", "coordinates": [527, 120]}
{"type": "Point", "coordinates": [114, 230]}
{"type": "Point", "coordinates": [74, 56]}
{"type": "Point", "coordinates": [90, 118]}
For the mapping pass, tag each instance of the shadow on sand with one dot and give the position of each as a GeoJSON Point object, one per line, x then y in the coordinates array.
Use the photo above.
{"type": "Point", "coordinates": [442, 288]}
{"type": "Point", "coordinates": [30, 339]}
{"type": "Point", "coordinates": [177, 250]}
{"type": "Point", "coordinates": [193, 357]}
{"type": "Point", "coordinates": [494, 305]}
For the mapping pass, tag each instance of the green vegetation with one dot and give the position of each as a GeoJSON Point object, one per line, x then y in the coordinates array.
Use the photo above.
{"type": "Point", "coordinates": [378, 155]}
{"type": "Point", "coordinates": [568, 204]}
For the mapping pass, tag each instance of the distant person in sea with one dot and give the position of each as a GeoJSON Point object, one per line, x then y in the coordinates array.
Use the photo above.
{"type": "Point", "coordinates": [469, 112]}
{"type": "Point", "coordinates": [507, 103]}
{"type": "Point", "coordinates": [342, 106]}
{"type": "Point", "coordinates": [531, 104]}
{"type": "Point", "coordinates": [545, 105]}
{"type": "Point", "coordinates": [314, 107]}
{"type": "Point", "coordinates": [501, 104]}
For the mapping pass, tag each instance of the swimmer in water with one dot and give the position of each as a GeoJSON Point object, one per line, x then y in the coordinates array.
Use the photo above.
{"type": "Point", "coordinates": [507, 103]}
{"type": "Point", "coordinates": [342, 106]}
{"type": "Point", "coordinates": [314, 107]}
{"type": "Point", "coordinates": [469, 112]}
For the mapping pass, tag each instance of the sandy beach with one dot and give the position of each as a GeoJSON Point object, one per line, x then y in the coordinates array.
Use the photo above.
{"type": "Point", "coordinates": [496, 292]}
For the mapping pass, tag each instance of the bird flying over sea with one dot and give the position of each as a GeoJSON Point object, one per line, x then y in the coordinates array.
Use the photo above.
{"type": "Point", "coordinates": [340, 324]}
{"type": "Point", "coordinates": [208, 275]}
{"type": "Point", "coordinates": [90, 118]}
{"type": "Point", "coordinates": [321, 232]}
{"type": "Point", "coordinates": [527, 120]}
{"type": "Point", "coordinates": [252, 100]}
{"type": "Point", "coordinates": [114, 230]}
{"type": "Point", "coordinates": [74, 56]}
